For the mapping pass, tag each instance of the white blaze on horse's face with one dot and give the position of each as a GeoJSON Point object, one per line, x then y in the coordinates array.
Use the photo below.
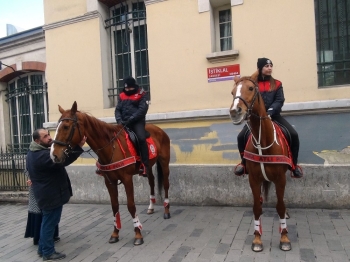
{"type": "Point", "coordinates": [236, 112]}
{"type": "Point", "coordinates": [53, 143]}
{"type": "Point", "coordinates": [236, 100]}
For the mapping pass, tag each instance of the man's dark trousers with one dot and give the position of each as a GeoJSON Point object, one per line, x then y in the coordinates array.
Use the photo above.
{"type": "Point", "coordinates": [51, 218]}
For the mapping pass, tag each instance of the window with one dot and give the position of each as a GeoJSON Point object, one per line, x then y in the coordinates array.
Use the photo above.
{"type": "Point", "coordinates": [27, 100]}
{"type": "Point", "coordinates": [223, 28]}
{"type": "Point", "coordinates": [333, 42]}
{"type": "Point", "coordinates": [129, 44]}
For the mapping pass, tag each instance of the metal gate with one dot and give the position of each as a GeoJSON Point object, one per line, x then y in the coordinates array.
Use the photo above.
{"type": "Point", "coordinates": [12, 166]}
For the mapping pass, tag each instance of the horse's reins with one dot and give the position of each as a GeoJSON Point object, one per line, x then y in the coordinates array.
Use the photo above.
{"type": "Point", "coordinates": [250, 113]}
{"type": "Point", "coordinates": [69, 148]}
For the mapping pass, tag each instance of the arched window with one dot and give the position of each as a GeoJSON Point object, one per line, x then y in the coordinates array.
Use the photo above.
{"type": "Point", "coordinates": [28, 106]}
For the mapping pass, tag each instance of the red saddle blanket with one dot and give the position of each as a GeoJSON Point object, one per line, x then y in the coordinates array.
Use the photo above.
{"type": "Point", "coordinates": [271, 159]}
{"type": "Point", "coordinates": [152, 149]}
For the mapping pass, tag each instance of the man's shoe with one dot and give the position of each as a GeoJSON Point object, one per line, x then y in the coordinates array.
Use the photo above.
{"type": "Point", "coordinates": [297, 173]}
{"type": "Point", "coordinates": [40, 254]}
{"type": "Point", "coordinates": [239, 170]}
{"type": "Point", "coordinates": [54, 257]}
{"type": "Point", "coordinates": [56, 239]}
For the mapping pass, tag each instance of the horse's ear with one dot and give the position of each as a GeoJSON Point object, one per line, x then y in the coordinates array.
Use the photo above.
{"type": "Point", "coordinates": [74, 108]}
{"type": "Point", "coordinates": [60, 109]}
{"type": "Point", "coordinates": [254, 76]}
{"type": "Point", "coordinates": [236, 78]}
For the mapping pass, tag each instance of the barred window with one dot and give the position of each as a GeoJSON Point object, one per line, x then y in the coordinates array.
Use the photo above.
{"type": "Point", "coordinates": [333, 42]}
{"type": "Point", "coordinates": [129, 45]}
{"type": "Point", "coordinates": [28, 102]}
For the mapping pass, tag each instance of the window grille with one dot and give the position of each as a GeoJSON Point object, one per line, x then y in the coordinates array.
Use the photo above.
{"type": "Point", "coordinates": [129, 45]}
{"type": "Point", "coordinates": [333, 42]}
{"type": "Point", "coordinates": [28, 102]}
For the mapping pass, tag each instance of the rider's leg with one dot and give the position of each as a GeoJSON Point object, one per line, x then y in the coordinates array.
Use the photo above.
{"type": "Point", "coordinates": [239, 170]}
{"type": "Point", "coordinates": [139, 129]}
{"type": "Point", "coordinates": [294, 146]}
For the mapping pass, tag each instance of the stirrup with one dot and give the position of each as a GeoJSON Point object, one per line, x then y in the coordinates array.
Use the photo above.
{"type": "Point", "coordinates": [143, 171]}
{"type": "Point", "coordinates": [98, 172]}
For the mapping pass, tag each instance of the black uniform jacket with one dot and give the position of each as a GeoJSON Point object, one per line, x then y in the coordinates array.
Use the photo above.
{"type": "Point", "coordinates": [273, 100]}
{"type": "Point", "coordinates": [132, 107]}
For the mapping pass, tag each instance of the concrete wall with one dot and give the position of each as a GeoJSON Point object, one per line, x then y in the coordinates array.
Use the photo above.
{"type": "Point", "coordinates": [322, 187]}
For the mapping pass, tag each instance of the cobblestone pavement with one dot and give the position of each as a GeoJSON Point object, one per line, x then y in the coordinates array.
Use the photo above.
{"type": "Point", "coordinates": [204, 233]}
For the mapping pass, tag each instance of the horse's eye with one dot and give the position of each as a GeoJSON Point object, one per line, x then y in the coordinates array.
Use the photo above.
{"type": "Point", "coordinates": [65, 127]}
{"type": "Point", "coordinates": [251, 88]}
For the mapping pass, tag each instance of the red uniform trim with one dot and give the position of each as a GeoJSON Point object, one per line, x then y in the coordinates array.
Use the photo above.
{"type": "Point", "coordinates": [135, 97]}
{"type": "Point", "coordinates": [264, 86]}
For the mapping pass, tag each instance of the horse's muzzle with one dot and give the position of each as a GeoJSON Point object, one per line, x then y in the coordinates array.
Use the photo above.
{"type": "Point", "coordinates": [237, 116]}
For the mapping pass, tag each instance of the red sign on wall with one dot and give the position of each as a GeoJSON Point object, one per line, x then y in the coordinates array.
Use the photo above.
{"type": "Point", "coordinates": [222, 73]}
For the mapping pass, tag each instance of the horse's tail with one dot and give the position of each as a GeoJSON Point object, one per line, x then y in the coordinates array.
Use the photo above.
{"type": "Point", "coordinates": [266, 188]}
{"type": "Point", "coordinates": [160, 177]}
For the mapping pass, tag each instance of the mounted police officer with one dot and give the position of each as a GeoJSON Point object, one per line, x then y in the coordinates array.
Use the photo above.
{"type": "Point", "coordinates": [131, 111]}
{"type": "Point", "coordinates": [271, 91]}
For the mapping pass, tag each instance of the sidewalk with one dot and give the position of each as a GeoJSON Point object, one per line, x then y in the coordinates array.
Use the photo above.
{"type": "Point", "coordinates": [192, 234]}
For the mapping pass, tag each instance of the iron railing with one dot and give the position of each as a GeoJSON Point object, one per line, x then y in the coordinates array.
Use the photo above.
{"type": "Point", "coordinates": [12, 166]}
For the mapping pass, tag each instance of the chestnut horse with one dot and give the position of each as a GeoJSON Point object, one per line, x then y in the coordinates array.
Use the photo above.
{"type": "Point", "coordinates": [109, 143]}
{"type": "Point", "coordinates": [266, 153]}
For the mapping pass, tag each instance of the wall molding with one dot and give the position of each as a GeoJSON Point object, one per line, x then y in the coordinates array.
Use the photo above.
{"type": "Point", "coordinates": [149, 2]}
{"type": "Point", "coordinates": [78, 19]}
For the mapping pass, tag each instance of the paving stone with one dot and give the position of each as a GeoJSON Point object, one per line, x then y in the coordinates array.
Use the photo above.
{"type": "Point", "coordinates": [192, 234]}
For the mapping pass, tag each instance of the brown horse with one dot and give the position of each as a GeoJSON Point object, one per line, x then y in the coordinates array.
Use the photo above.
{"type": "Point", "coordinates": [266, 154]}
{"type": "Point", "coordinates": [109, 143]}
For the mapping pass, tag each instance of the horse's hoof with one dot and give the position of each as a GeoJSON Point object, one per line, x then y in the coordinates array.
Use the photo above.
{"type": "Point", "coordinates": [257, 247]}
{"type": "Point", "coordinates": [113, 240]}
{"type": "Point", "coordinates": [150, 211]}
{"type": "Point", "coordinates": [285, 246]}
{"type": "Point", "coordinates": [166, 216]}
{"type": "Point", "coordinates": [138, 241]}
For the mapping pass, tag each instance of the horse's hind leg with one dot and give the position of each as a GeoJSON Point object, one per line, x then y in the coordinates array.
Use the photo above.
{"type": "Point", "coordinates": [164, 169]}
{"type": "Point", "coordinates": [113, 193]}
{"type": "Point", "coordinates": [285, 244]}
{"type": "Point", "coordinates": [152, 197]}
{"type": "Point", "coordinates": [255, 186]}
{"type": "Point", "coordinates": [129, 190]}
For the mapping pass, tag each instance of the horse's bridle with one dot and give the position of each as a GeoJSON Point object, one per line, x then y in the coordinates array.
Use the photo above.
{"type": "Point", "coordinates": [250, 108]}
{"type": "Point", "coordinates": [69, 148]}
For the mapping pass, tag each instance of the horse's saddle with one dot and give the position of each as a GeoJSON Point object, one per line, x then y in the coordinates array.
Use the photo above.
{"type": "Point", "coordinates": [283, 129]}
{"type": "Point", "coordinates": [133, 138]}
{"type": "Point", "coordinates": [134, 147]}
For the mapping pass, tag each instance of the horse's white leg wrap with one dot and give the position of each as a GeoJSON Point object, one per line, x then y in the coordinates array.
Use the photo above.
{"type": "Point", "coordinates": [151, 202]}
{"type": "Point", "coordinates": [166, 202]}
{"type": "Point", "coordinates": [257, 226]}
{"type": "Point", "coordinates": [117, 221]}
{"type": "Point", "coordinates": [283, 225]}
{"type": "Point", "coordinates": [137, 222]}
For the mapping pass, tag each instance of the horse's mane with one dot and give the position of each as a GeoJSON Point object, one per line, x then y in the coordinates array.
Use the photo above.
{"type": "Point", "coordinates": [253, 77]}
{"type": "Point", "coordinates": [103, 128]}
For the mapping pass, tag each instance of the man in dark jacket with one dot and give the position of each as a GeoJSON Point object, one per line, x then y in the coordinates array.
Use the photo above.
{"type": "Point", "coordinates": [51, 187]}
{"type": "Point", "coordinates": [131, 111]}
